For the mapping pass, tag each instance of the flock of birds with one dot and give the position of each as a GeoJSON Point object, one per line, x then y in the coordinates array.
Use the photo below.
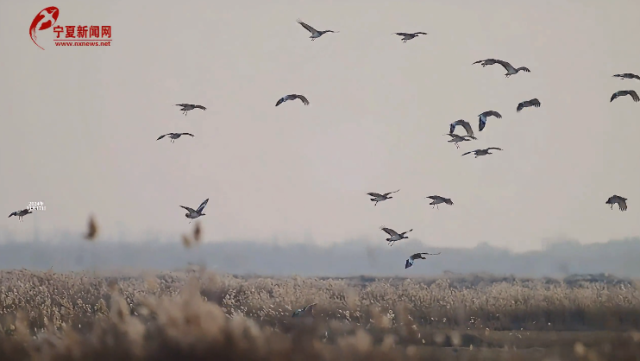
{"type": "Point", "coordinates": [455, 139]}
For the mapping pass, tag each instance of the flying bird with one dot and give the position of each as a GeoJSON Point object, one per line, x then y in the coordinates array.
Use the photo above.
{"type": "Point", "coordinates": [416, 256]}
{"type": "Point", "coordinates": [304, 311]}
{"type": "Point", "coordinates": [622, 93]}
{"type": "Point", "coordinates": [293, 97]}
{"type": "Point", "coordinates": [528, 103]}
{"type": "Point", "coordinates": [510, 69]}
{"type": "Point", "coordinates": [627, 76]}
{"type": "Point", "coordinates": [314, 33]}
{"type": "Point", "coordinates": [621, 201]}
{"type": "Point", "coordinates": [20, 214]}
{"type": "Point", "coordinates": [174, 136]}
{"type": "Point", "coordinates": [394, 236]}
{"type": "Point", "coordinates": [409, 36]}
{"type": "Point", "coordinates": [193, 214]}
{"type": "Point", "coordinates": [482, 118]}
{"type": "Point", "coordinates": [92, 229]}
{"type": "Point", "coordinates": [486, 62]}
{"type": "Point", "coordinates": [187, 107]}
{"type": "Point", "coordinates": [377, 197]}
{"type": "Point", "coordinates": [481, 152]}
{"type": "Point", "coordinates": [463, 123]}
{"type": "Point", "coordinates": [455, 139]}
{"type": "Point", "coordinates": [438, 200]}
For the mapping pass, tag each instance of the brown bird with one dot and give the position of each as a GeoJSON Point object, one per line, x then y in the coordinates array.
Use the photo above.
{"type": "Point", "coordinates": [621, 201]}
{"type": "Point", "coordinates": [377, 197]}
{"type": "Point", "coordinates": [528, 103]}
{"type": "Point", "coordinates": [174, 136]}
{"type": "Point", "coordinates": [409, 36]}
{"type": "Point", "coordinates": [93, 229]}
{"type": "Point", "coordinates": [622, 93]}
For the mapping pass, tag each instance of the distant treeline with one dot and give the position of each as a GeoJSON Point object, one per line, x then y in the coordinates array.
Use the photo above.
{"type": "Point", "coordinates": [352, 258]}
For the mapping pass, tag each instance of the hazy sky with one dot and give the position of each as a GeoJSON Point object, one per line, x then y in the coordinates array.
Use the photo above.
{"type": "Point", "coordinates": [80, 123]}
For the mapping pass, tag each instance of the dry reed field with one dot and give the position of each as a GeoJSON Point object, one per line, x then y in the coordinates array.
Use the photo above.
{"type": "Point", "coordinates": [199, 315]}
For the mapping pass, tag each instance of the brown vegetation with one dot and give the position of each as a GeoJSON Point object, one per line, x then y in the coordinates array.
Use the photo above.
{"type": "Point", "coordinates": [198, 315]}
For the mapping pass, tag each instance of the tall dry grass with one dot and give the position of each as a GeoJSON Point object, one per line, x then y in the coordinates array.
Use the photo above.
{"type": "Point", "coordinates": [195, 315]}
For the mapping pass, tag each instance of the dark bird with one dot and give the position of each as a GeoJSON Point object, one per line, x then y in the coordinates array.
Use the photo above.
{"type": "Point", "coordinates": [486, 62]}
{"type": "Point", "coordinates": [393, 235]}
{"type": "Point", "coordinates": [620, 201]}
{"type": "Point", "coordinates": [464, 124]}
{"type": "Point", "coordinates": [510, 69]}
{"type": "Point", "coordinates": [455, 139]}
{"type": "Point", "coordinates": [622, 93]}
{"type": "Point", "coordinates": [293, 97]}
{"type": "Point", "coordinates": [528, 103]}
{"type": "Point", "coordinates": [438, 200]}
{"type": "Point", "coordinates": [416, 256]}
{"type": "Point", "coordinates": [627, 76]}
{"type": "Point", "coordinates": [193, 214]}
{"type": "Point", "coordinates": [92, 229]}
{"type": "Point", "coordinates": [174, 136]}
{"type": "Point", "coordinates": [20, 214]}
{"type": "Point", "coordinates": [188, 107]}
{"type": "Point", "coordinates": [314, 33]}
{"type": "Point", "coordinates": [482, 118]}
{"type": "Point", "coordinates": [481, 152]}
{"type": "Point", "coordinates": [377, 197]}
{"type": "Point", "coordinates": [304, 311]}
{"type": "Point", "coordinates": [409, 36]}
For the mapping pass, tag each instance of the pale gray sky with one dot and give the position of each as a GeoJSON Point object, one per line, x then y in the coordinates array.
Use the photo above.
{"type": "Point", "coordinates": [80, 124]}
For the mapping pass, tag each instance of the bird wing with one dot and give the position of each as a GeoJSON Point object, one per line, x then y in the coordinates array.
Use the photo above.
{"type": "Point", "coordinates": [508, 67]}
{"type": "Point", "coordinates": [374, 194]}
{"type": "Point", "coordinates": [493, 113]}
{"type": "Point", "coordinates": [187, 134]}
{"type": "Point", "coordinates": [303, 98]}
{"type": "Point", "coordinates": [162, 136]}
{"type": "Point", "coordinates": [535, 102]}
{"type": "Point", "coordinates": [408, 263]}
{"type": "Point", "coordinates": [307, 26]}
{"type": "Point", "coordinates": [482, 122]}
{"type": "Point", "coordinates": [430, 254]}
{"type": "Point", "coordinates": [189, 209]}
{"type": "Point", "coordinates": [280, 101]}
{"type": "Point", "coordinates": [493, 148]}
{"type": "Point", "coordinates": [522, 105]}
{"type": "Point", "coordinates": [200, 107]}
{"type": "Point", "coordinates": [467, 127]}
{"type": "Point", "coordinates": [473, 151]}
{"type": "Point", "coordinates": [634, 95]}
{"type": "Point", "coordinates": [634, 76]}
{"type": "Point", "coordinates": [617, 94]}
{"type": "Point", "coordinates": [390, 231]}
{"type": "Point", "coordinates": [386, 194]}
{"type": "Point", "coordinates": [183, 105]}
{"type": "Point", "coordinates": [13, 214]}
{"type": "Point", "coordinates": [202, 205]}
{"type": "Point", "coordinates": [404, 34]}
{"type": "Point", "coordinates": [435, 198]}
{"type": "Point", "coordinates": [622, 202]}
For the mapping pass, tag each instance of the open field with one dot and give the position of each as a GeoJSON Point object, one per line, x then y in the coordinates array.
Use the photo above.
{"type": "Point", "coordinates": [197, 315]}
